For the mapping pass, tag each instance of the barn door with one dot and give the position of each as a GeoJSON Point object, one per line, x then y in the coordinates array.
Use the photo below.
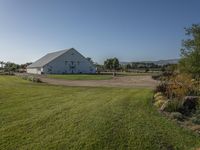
{"type": "Point", "coordinates": [73, 67]}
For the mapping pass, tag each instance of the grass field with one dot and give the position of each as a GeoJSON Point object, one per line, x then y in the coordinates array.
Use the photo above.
{"type": "Point", "coordinates": [38, 116]}
{"type": "Point", "coordinates": [81, 77]}
{"type": "Point", "coordinates": [104, 76]}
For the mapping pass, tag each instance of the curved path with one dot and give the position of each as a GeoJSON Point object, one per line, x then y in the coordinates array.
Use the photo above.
{"type": "Point", "coordinates": [126, 81]}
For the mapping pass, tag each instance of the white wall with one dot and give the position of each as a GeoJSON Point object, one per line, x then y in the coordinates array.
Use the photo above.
{"type": "Point", "coordinates": [34, 70]}
{"type": "Point", "coordinates": [70, 62]}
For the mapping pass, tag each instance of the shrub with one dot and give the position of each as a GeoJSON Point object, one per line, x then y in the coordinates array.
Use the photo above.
{"type": "Point", "coordinates": [172, 106]}
{"type": "Point", "coordinates": [156, 77]}
{"type": "Point", "coordinates": [37, 80]}
{"type": "Point", "coordinates": [164, 106]}
{"type": "Point", "coordinates": [160, 98]}
{"type": "Point", "coordinates": [159, 103]}
{"type": "Point", "coordinates": [32, 79]}
{"type": "Point", "coordinates": [24, 77]}
{"type": "Point", "coordinates": [162, 87]}
{"type": "Point", "coordinates": [7, 73]}
{"type": "Point", "coordinates": [167, 73]}
{"type": "Point", "coordinates": [196, 119]}
{"type": "Point", "coordinates": [178, 86]}
{"type": "Point", "coordinates": [197, 112]}
{"type": "Point", "coordinates": [157, 94]}
{"type": "Point", "coordinates": [177, 115]}
{"type": "Point", "coordinates": [181, 85]}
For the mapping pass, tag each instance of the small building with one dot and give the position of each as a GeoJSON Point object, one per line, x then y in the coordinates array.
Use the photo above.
{"type": "Point", "coordinates": [68, 61]}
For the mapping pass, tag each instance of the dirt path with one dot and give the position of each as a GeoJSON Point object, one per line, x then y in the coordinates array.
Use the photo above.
{"type": "Point", "coordinates": [126, 81]}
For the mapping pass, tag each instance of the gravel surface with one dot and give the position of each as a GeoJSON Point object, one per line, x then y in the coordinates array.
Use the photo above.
{"type": "Point", "coordinates": [126, 81]}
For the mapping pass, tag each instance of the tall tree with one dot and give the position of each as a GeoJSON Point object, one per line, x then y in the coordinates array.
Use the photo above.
{"type": "Point", "coordinates": [2, 63]}
{"type": "Point", "coordinates": [190, 52]}
{"type": "Point", "coordinates": [108, 64]}
{"type": "Point", "coordinates": [128, 66]}
{"type": "Point", "coordinates": [11, 67]}
{"type": "Point", "coordinates": [112, 64]}
{"type": "Point", "coordinates": [115, 63]}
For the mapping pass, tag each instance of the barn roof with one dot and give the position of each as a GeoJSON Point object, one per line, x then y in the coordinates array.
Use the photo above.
{"type": "Point", "coordinates": [47, 58]}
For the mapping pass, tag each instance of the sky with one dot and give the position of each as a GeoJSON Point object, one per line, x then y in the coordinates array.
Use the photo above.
{"type": "Point", "coordinates": [131, 30]}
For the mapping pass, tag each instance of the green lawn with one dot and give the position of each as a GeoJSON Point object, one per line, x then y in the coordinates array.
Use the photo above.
{"type": "Point", "coordinates": [104, 76]}
{"type": "Point", "coordinates": [81, 77]}
{"type": "Point", "coordinates": [38, 116]}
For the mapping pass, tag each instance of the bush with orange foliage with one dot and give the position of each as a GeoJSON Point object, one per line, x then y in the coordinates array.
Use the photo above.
{"type": "Point", "coordinates": [178, 86]}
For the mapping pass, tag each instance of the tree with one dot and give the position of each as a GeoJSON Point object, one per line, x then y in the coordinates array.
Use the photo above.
{"type": "Point", "coordinates": [190, 52]}
{"type": "Point", "coordinates": [108, 64]}
{"type": "Point", "coordinates": [115, 63]}
{"type": "Point", "coordinates": [146, 69]}
{"type": "Point", "coordinates": [171, 68]}
{"type": "Point", "coordinates": [112, 64]}
{"type": "Point", "coordinates": [127, 67]}
{"type": "Point", "coordinates": [2, 64]}
{"type": "Point", "coordinates": [11, 67]}
{"type": "Point", "coordinates": [24, 66]}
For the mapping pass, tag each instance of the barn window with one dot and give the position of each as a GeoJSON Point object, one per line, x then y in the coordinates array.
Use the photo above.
{"type": "Point", "coordinates": [49, 69]}
{"type": "Point", "coordinates": [72, 67]}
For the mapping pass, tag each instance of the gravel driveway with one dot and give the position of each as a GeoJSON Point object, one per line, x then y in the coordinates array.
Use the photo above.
{"type": "Point", "coordinates": [126, 81]}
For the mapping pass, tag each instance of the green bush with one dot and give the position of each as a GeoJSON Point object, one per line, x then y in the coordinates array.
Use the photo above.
{"type": "Point", "coordinates": [197, 112]}
{"type": "Point", "coordinates": [159, 103]}
{"type": "Point", "coordinates": [160, 98]}
{"type": "Point", "coordinates": [156, 77]}
{"type": "Point", "coordinates": [32, 79]}
{"type": "Point", "coordinates": [7, 73]}
{"type": "Point", "coordinates": [172, 106]}
{"type": "Point", "coordinates": [158, 94]}
{"type": "Point", "coordinates": [37, 80]}
{"type": "Point", "coordinates": [196, 119]}
{"type": "Point", "coordinates": [25, 77]}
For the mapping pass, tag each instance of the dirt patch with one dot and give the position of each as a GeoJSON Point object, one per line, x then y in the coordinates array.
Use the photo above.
{"type": "Point", "coordinates": [126, 81]}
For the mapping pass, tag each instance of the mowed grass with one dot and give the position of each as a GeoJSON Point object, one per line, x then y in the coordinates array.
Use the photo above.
{"type": "Point", "coordinates": [38, 116]}
{"type": "Point", "coordinates": [81, 77]}
{"type": "Point", "coordinates": [104, 76]}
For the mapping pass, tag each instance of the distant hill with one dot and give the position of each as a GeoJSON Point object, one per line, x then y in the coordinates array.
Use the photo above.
{"type": "Point", "coordinates": [159, 62]}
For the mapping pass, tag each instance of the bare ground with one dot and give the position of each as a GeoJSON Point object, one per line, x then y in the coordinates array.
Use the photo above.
{"type": "Point", "coordinates": [126, 81]}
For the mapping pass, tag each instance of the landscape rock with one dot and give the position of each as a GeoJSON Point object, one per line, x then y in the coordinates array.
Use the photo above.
{"type": "Point", "coordinates": [177, 115]}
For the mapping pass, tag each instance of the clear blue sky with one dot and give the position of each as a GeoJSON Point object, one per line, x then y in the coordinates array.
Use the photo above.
{"type": "Point", "coordinates": [131, 30]}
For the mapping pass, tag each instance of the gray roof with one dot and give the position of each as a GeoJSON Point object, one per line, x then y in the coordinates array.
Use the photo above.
{"type": "Point", "coordinates": [47, 58]}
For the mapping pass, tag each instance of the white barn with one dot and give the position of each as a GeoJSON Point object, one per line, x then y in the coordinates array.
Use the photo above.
{"type": "Point", "coordinates": [67, 61]}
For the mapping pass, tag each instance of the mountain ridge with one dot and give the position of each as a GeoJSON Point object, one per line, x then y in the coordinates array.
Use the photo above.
{"type": "Point", "coordinates": [157, 62]}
